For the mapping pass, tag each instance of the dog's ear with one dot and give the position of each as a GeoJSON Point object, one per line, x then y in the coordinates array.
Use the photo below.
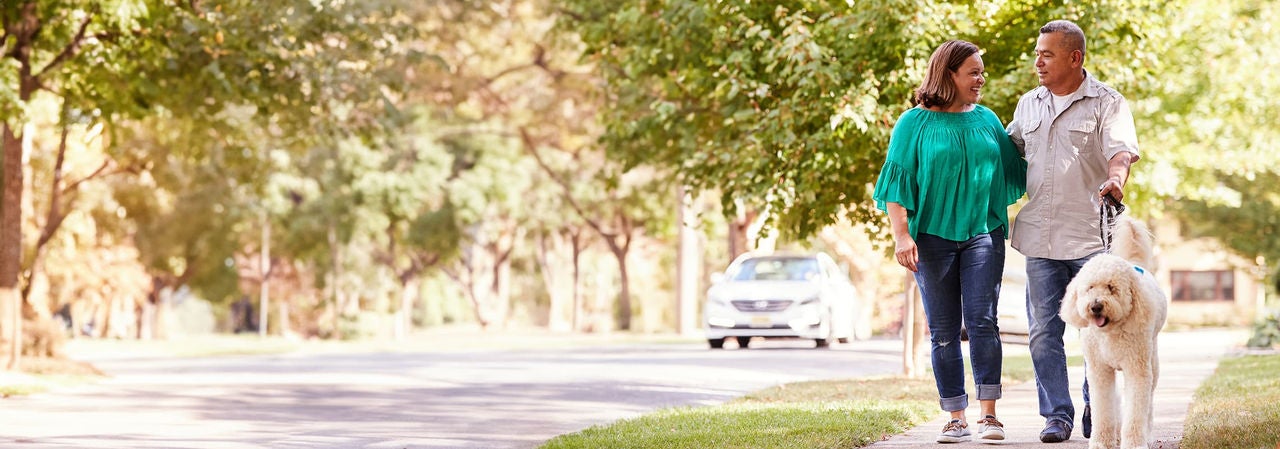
{"type": "Point", "coordinates": [1068, 312]}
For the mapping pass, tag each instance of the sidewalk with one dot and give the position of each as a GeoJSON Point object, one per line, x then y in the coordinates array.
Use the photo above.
{"type": "Point", "coordinates": [1186, 359]}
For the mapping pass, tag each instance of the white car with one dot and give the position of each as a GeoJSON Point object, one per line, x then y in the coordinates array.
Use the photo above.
{"type": "Point", "coordinates": [781, 295]}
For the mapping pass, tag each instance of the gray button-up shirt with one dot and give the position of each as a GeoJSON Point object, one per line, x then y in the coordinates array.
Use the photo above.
{"type": "Point", "coordinates": [1067, 155]}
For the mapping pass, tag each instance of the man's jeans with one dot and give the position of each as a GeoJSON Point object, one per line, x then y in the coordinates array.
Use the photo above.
{"type": "Point", "coordinates": [1047, 281]}
{"type": "Point", "coordinates": [961, 281]}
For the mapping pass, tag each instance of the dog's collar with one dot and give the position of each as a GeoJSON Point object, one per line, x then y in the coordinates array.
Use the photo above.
{"type": "Point", "coordinates": [1140, 270]}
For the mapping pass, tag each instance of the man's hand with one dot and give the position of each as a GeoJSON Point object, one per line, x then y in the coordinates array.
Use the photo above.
{"type": "Point", "coordinates": [1118, 173]}
{"type": "Point", "coordinates": [1113, 187]}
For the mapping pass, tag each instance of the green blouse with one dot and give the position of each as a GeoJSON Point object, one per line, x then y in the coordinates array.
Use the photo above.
{"type": "Point", "coordinates": [956, 173]}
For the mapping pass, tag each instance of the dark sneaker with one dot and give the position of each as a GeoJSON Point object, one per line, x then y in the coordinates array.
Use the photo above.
{"type": "Point", "coordinates": [990, 429]}
{"type": "Point", "coordinates": [1056, 431]}
{"type": "Point", "coordinates": [1086, 422]}
{"type": "Point", "coordinates": [954, 432]}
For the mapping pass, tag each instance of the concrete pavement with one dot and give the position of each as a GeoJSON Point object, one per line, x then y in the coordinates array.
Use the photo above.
{"type": "Point", "coordinates": [1186, 360]}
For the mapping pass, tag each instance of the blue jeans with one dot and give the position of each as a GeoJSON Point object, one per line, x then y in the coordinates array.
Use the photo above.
{"type": "Point", "coordinates": [1047, 281]}
{"type": "Point", "coordinates": [961, 281]}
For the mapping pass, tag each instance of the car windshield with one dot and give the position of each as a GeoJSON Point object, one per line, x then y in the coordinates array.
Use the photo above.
{"type": "Point", "coordinates": [777, 269]}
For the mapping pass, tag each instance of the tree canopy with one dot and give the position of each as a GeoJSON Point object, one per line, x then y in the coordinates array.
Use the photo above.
{"type": "Point", "coordinates": [787, 106]}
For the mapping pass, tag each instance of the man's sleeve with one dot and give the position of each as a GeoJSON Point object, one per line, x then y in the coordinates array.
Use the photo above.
{"type": "Point", "coordinates": [1118, 130]}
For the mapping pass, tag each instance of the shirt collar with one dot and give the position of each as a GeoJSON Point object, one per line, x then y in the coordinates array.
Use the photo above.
{"type": "Point", "coordinates": [1088, 88]}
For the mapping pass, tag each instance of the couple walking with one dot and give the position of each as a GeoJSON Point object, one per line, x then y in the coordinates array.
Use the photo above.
{"type": "Point", "coordinates": [951, 172]}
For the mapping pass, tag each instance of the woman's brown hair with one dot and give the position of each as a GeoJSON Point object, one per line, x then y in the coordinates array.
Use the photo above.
{"type": "Point", "coordinates": [938, 89]}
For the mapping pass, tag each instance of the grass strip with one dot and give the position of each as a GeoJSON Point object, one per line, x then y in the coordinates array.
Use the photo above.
{"type": "Point", "coordinates": [851, 413]}
{"type": "Point", "coordinates": [1237, 407]}
{"type": "Point", "coordinates": [814, 414]}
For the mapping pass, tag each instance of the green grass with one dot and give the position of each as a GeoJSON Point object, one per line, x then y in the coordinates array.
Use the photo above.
{"type": "Point", "coordinates": [802, 415]}
{"type": "Point", "coordinates": [1237, 407]}
{"type": "Point", "coordinates": [816, 414]}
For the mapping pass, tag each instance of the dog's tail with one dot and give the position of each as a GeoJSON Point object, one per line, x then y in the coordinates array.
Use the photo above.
{"type": "Point", "coordinates": [1132, 240]}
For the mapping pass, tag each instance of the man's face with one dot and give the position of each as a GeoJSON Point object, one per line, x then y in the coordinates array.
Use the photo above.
{"type": "Point", "coordinates": [1055, 64]}
{"type": "Point", "coordinates": [969, 78]}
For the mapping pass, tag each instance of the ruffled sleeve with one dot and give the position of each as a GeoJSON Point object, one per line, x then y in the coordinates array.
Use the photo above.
{"type": "Point", "coordinates": [896, 185]}
{"type": "Point", "coordinates": [898, 182]}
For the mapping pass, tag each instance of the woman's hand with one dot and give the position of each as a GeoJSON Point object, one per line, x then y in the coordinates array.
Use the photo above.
{"type": "Point", "coordinates": [905, 246]}
{"type": "Point", "coordinates": [905, 252]}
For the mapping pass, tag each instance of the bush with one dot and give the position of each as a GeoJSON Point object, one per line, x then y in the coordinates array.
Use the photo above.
{"type": "Point", "coordinates": [1266, 331]}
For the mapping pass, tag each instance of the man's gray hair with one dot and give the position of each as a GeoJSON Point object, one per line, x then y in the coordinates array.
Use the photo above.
{"type": "Point", "coordinates": [1072, 35]}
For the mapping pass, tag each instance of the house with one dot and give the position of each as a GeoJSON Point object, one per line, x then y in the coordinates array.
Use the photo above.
{"type": "Point", "coordinates": [1207, 285]}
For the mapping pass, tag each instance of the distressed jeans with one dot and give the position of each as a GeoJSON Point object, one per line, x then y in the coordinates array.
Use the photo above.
{"type": "Point", "coordinates": [960, 281]}
{"type": "Point", "coordinates": [1047, 281]}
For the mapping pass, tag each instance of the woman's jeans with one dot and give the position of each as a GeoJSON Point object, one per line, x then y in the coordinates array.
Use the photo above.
{"type": "Point", "coordinates": [1047, 281]}
{"type": "Point", "coordinates": [961, 281]}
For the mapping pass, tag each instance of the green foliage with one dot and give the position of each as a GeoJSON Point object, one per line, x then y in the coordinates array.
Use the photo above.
{"type": "Point", "coordinates": [1213, 126]}
{"type": "Point", "coordinates": [1266, 331]}
{"type": "Point", "coordinates": [787, 106]}
{"type": "Point", "coordinates": [210, 99]}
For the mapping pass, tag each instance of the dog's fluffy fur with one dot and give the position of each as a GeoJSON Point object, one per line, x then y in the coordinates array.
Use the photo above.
{"type": "Point", "coordinates": [1119, 310]}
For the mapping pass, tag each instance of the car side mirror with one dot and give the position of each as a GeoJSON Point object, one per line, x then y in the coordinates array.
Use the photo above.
{"type": "Point", "coordinates": [717, 277]}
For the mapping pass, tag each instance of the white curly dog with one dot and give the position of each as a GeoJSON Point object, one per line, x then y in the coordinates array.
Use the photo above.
{"type": "Point", "coordinates": [1119, 308]}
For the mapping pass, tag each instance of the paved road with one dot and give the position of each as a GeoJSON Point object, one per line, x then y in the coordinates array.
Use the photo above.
{"type": "Point", "coordinates": [490, 399]}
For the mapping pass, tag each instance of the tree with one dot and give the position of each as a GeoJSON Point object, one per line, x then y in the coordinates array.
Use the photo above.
{"type": "Point", "coordinates": [787, 106]}
{"type": "Point", "coordinates": [507, 76]}
{"type": "Point", "coordinates": [1210, 127]}
{"type": "Point", "coordinates": [132, 58]}
{"type": "Point", "coordinates": [39, 40]}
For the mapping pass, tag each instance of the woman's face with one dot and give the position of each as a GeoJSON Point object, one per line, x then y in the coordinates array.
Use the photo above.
{"type": "Point", "coordinates": [969, 79]}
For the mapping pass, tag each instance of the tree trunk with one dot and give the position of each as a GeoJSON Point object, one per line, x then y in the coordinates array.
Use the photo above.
{"type": "Point", "coordinates": [408, 297]}
{"type": "Point", "coordinates": [551, 252]}
{"type": "Point", "coordinates": [501, 289]}
{"type": "Point", "coordinates": [11, 243]}
{"type": "Point", "coordinates": [624, 294]}
{"type": "Point", "coordinates": [688, 267]}
{"type": "Point", "coordinates": [335, 277]}
{"type": "Point", "coordinates": [264, 266]}
{"type": "Point", "coordinates": [577, 283]}
{"type": "Point", "coordinates": [914, 329]}
{"type": "Point", "coordinates": [36, 290]}
{"type": "Point", "coordinates": [740, 234]}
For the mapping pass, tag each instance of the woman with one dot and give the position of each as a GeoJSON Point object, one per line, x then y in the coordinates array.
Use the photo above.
{"type": "Point", "coordinates": [949, 177]}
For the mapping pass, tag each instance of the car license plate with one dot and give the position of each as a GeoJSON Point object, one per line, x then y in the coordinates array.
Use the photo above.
{"type": "Point", "coordinates": [761, 321]}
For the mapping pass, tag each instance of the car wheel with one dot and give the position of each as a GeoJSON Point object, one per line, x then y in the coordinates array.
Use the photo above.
{"type": "Point", "coordinates": [716, 343]}
{"type": "Point", "coordinates": [822, 343]}
{"type": "Point", "coordinates": [742, 342]}
{"type": "Point", "coordinates": [843, 339]}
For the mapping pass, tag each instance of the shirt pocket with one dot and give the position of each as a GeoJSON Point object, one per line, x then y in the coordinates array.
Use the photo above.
{"type": "Point", "coordinates": [1034, 137]}
{"type": "Point", "coordinates": [1084, 133]}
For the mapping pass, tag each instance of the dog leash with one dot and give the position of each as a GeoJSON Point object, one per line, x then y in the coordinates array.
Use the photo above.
{"type": "Point", "coordinates": [1108, 213]}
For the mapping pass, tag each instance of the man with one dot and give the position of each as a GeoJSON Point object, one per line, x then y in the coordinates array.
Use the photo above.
{"type": "Point", "coordinates": [1079, 140]}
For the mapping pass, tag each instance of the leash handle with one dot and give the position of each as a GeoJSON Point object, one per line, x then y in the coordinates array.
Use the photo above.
{"type": "Point", "coordinates": [1108, 212]}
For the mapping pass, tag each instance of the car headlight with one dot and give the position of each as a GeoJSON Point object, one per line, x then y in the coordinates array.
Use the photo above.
{"type": "Point", "coordinates": [811, 301]}
{"type": "Point", "coordinates": [720, 322]}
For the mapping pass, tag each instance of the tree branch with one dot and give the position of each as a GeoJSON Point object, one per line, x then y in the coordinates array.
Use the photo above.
{"type": "Point", "coordinates": [71, 49]}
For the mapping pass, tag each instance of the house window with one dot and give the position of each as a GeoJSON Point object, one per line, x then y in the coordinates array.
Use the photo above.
{"type": "Point", "coordinates": [1203, 285]}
